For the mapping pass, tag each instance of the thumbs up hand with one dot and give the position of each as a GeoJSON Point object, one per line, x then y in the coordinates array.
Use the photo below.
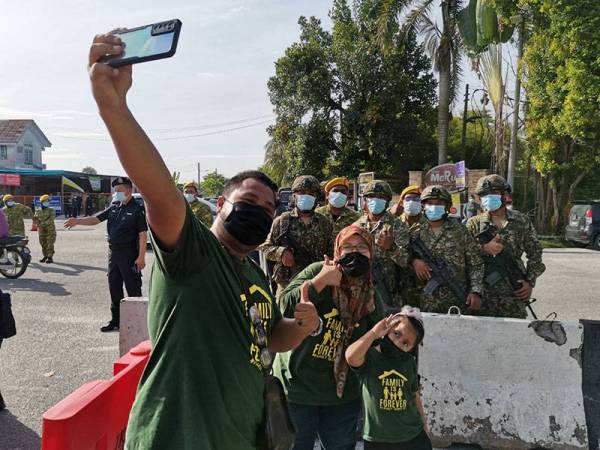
{"type": "Point", "coordinates": [305, 313]}
{"type": "Point", "coordinates": [331, 274]}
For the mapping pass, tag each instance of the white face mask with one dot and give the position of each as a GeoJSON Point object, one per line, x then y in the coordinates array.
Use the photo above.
{"type": "Point", "coordinates": [189, 197]}
{"type": "Point", "coordinates": [412, 207]}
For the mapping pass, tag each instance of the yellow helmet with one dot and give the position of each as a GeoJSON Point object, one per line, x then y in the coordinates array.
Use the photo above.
{"type": "Point", "coordinates": [7, 198]}
{"type": "Point", "coordinates": [190, 184]}
{"type": "Point", "coordinates": [338, 181]}
{"type": "Point", "coordinates": [413, 189]}
{"type": "Point", "coordinates": [44, 198]}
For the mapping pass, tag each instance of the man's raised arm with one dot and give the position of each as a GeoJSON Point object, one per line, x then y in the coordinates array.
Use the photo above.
{"type": "Point", "coordinates": [165, 206]}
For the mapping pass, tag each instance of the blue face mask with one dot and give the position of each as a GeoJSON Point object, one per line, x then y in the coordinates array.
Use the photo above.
{"type": "Point", "coordinates": [435, 212]}
{"type": "Point", "coordinates": [305, 203]}
{"type": "Point", "coordinates": [189, 197]}
{"type": "Point", "coordinates": [119, 197]}
{"type": "Point", "coordinates": [376, 205]}
{"type": "Point", "coordinates": [412, 207]}
{"type": "Point", "coordinates": [45, 204]}
{"type": "Point", "coordinates": [337, 199]}
{"type": "Point", "coordinates": [10, 204]}
{"type": "Point", "coordinates": [491, 202]}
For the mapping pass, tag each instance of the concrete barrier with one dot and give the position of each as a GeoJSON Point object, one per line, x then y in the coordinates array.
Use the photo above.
{"type": "Point", "coordinates": [497, 383]}
{"type": "Point", "coordinates": [134, 323]}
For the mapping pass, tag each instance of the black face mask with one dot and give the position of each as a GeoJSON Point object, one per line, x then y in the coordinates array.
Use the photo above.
{"type": "Point", "coordinates": [355, 264]}
{"type": "Point", "coordinates": [389, 349]}
{"type": "Point", "coordinates": [249, 224]}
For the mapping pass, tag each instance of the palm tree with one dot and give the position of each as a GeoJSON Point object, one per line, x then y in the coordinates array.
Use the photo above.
{"type": "Point", "coordinates": [276, 162]}
{"type": "Point", "coordinates": [444, 47]}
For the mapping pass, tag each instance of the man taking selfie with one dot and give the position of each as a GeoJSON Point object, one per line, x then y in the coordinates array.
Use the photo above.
{"type": "Point", "coordinates": [204, 382]}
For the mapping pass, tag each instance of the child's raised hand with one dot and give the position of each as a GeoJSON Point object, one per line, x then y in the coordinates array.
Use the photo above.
{"type": "Point", "coordinates": [383, 327]}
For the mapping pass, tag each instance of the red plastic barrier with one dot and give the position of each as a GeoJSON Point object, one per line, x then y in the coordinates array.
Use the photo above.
{"type": "Point", "coordinates": [94, 417]}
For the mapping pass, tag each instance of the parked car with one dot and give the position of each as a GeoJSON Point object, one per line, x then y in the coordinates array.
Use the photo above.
{"type": "Point", "coordinates": [584, 224]}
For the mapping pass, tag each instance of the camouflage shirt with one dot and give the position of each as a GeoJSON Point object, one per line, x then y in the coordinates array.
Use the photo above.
{"type": "Point", "coordinates": [202, 212]}
{"type": "Point", "coordinates": [309, 242]}
{"type": "Point", "coordinates": [518, 236]}
{"type": "Point", "coordinates": [457, 247]}
{"type": "Point", "coordinates": [348, 217]}
{"type": "Point", "coordinates": [45, 220]}
{"type": "Point", "coordinates": [389, 262]}
{"type": "Point", "coordinates": [15, 215]}
{"type": "Point", "coordinates": [404, 219]}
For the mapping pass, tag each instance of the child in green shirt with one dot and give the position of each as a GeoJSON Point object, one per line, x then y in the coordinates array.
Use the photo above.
{"type": "Point", "coordinates": [394, 416]}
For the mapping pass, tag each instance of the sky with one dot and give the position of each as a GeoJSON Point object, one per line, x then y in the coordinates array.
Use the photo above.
{"type": "Point", "coordinates": [208, 104]}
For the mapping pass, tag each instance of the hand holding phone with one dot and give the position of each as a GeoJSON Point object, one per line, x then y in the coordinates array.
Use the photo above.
{"type": "Point", "coordinates": [145, 43]}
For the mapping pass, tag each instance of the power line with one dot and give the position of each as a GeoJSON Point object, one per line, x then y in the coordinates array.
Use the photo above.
{"type": "Point", "coordinates": [173, 129]}
{"type": "Point", "coordinates": [175, 138]}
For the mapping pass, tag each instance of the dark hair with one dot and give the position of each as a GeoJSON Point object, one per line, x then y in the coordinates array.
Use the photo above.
{"type": "Point", "coordinates": [418, 327]}
{"type": "Point", "coordinates": [238, 179]}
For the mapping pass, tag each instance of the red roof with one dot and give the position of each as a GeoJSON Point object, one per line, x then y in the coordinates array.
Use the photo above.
{"type": "Point", "coordinates": [11, 131]}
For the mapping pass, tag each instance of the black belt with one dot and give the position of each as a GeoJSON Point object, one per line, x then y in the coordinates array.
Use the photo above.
{"type": "Point", "coordinates": [122, 246]}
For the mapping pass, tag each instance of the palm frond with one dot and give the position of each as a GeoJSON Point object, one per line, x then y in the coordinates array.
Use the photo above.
{"type": "Point", "coordinates": [387, 20]}
{"type": "Point", "coordinates": [491, 74]}
{"type": "Point", "coordinates": [417, 18]}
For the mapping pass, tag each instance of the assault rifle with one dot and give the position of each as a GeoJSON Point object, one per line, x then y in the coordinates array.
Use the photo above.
{"type": "Point", "coordinates": [442, 274]}
{"type": "Point", "coordinates": [380, 285]}
{"type": "Point", "coordinates": [502, 266]}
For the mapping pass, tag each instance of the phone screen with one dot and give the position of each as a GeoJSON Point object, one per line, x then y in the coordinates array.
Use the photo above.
{"type": "Point", "coordinates": [141, 43]}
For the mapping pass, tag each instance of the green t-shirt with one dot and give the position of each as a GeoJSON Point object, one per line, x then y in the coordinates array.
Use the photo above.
{"type": "Point", "coordinates": [388, 386]}
{"type": "Point", "coordinates": [307, 371]}
{"type": "Point", "coordinates": [203, 386]}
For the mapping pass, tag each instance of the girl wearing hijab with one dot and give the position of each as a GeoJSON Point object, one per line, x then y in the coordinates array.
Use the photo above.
{"type": "Point", "coordinates": [323, 396]}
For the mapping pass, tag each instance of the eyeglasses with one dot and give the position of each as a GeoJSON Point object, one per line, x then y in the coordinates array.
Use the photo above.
{"type": "Point", "coordinates": [361, 248]}
{"type": "Point", "coordinates": [260, 335]}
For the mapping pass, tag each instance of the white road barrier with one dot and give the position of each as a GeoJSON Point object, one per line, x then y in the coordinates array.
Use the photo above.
{"type": "Point", "coordinates": [497, 383]}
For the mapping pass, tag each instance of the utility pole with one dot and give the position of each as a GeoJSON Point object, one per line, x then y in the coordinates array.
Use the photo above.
{"type": "Point", "coordinates": [198, 174]}
{"type": "Point", "coordinates": [512, 153]}
{"type": "Point", "coordinates": [463, 142]}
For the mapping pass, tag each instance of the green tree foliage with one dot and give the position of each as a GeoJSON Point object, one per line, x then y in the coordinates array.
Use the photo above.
{"type": "Point", "coordinates": [443, 44]}
{"type": "Point", "coordinates": [344, 106]}
{"type": "Point", "coordinates": [479, 140]}
{"type": "Point", "coordinates": [212, 185]}
{"type": "Point", "coordinates": [89, 170]}
{"type": "Point", "coordinates": [563, 90]}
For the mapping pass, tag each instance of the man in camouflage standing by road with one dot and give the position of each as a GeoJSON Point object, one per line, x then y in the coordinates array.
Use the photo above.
{"type": "Point", "coordinates": [336, 191]}
{"type": "Point", "coordinates": [200, 210]}
{"type": "Point", "coordinates": [44, 218]}
{"type": "Point", "coordinates": [15, 213]}
{"type": "Point", "coordinates": [391, 239]}
{"type": "Point", "coordinates": [299, 237]}
{"type": "Point", "coordinates": [513, 232]}
{"type": "Point", "coordinates": [452, 243]}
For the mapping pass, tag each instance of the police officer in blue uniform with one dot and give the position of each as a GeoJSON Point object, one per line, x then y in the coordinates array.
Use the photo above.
{"type": "Point", "coordinates": [127, 234]}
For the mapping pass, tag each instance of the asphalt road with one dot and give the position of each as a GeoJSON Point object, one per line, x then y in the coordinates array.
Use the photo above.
{"type": "Point", "coordinates": [59, 309]}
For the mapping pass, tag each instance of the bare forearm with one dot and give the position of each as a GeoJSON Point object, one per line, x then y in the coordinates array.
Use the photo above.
{"type": "Point", "coordinates": [355, 354]}
{"type": "Point", "coordinates": [146, 168]}
{"type": "Point", "coordinates": [143, 242]}
{"type": "Point", "coordinates": [88, 221]}
{"type": "Point", "coordinates": [286, 335]}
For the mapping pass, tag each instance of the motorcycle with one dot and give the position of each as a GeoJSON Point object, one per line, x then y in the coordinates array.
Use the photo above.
{"type": "Point", "coordinates": [15, 256]}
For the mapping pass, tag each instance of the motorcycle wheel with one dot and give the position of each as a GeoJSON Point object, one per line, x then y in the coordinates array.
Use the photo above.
{"type": "Point", "coordinates": [15, 267]}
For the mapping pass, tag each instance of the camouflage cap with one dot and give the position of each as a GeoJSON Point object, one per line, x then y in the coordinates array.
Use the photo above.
{"type": "Point", "coordinates": [436, 191]}
{"type": "Point", "coordinates": [490, 183]}
{"type": "Point", "coordinates": [190, 184]}
{"type": "Point", "coordinates": [306, 183]}
{"type": "Point", "coordinates": [378, 187]}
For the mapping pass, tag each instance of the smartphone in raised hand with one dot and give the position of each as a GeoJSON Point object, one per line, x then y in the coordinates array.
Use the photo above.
{"type": "Point", "coordinates": [146, 43]}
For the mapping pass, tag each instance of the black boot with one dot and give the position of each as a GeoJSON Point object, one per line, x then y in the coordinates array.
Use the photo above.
{"type": "Point", "coordinates": [49, 260]}
{"type": "Point", "coordinates": [110, 326]}
{"type": "Point", "coordinates": [44, 259]}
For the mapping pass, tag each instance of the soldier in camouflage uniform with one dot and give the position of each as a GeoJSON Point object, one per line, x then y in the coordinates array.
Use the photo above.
{"type": "Point", "coordinates": [455, 245]}
{"type": "Point", "coordinates": [412, 211]}
{"type": "Point", "coordinates": [200, 210]}
{"type": "Point", "coordinates": [336, 191]}
{"type": "Point", "coordinates": [299, 237]}
{"type": "Point", "coordinates": [15, 213]}
{"type": "Point", "coordinates": [44, 218]}
{"type": "Point", "coordinates": [514, 232]}
{"type": "Point", "coordinates": [391, 238]}
{"type": "Point", "coordinates": [410, 202]}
